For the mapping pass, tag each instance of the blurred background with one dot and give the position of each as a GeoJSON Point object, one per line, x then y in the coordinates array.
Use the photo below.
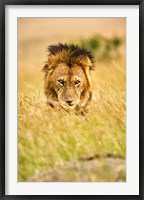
{"type": "Point", "coordinates": [47, 139]}
{"type": "Point", "coordinates": [53, 29]}
{"type": "Point", "coordinates": [36, 34]}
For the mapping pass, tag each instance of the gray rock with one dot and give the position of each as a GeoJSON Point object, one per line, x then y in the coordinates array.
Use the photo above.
{"type": "Point", "coordinates": [91, 169]}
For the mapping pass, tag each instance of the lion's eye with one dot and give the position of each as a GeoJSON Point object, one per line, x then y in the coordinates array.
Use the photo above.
{"type": "Point", "coordinates": [77, 82]}
{"type": "Point", "coordinates": [61, 82]}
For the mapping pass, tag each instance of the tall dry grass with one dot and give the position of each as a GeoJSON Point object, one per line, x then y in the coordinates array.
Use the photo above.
{"type": "Point", "coordinates": [47, 138]}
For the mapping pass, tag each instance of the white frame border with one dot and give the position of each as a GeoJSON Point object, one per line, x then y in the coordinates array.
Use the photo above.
{"type": "Point", "coordinates": [131, 187]}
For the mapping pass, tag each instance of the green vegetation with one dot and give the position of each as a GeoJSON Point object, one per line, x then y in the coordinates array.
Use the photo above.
{"type": "Point", "coordinates": [48, 138]}
{"type": "Point", "coordinates": [102, 48]}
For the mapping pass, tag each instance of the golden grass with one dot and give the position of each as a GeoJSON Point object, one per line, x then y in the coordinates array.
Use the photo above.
{"type": "Point", "coordinates": [47, 138]}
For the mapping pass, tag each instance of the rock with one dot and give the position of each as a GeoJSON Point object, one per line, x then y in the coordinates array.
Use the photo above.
{"type": "Point", "coordinates": [90, 169]}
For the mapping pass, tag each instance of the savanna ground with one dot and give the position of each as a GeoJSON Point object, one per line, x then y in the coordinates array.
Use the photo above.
{"type": "Point", "coordinates": [47, 138]}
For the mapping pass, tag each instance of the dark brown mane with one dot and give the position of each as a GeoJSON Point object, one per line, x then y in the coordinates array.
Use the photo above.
{"type": "Point", "coordinates": [74, 50]}
{"type": "Point", "coordinates": [70, 61]}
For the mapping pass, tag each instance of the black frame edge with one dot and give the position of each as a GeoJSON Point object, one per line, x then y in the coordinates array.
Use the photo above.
{"type": "Point", "coordinates": [2, 93]}
{"type": "Point", "coordinates": [2, 100]}
{"type": "Point", "coordinates": [72, 2]}
{"type": "Point", "coordinates": [141, 99]}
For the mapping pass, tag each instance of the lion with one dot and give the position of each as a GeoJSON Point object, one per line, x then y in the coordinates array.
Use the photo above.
{"type": "Point", "coordinates": [67, 81]}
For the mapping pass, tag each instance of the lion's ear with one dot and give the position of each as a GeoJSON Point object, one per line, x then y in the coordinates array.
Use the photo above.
{"type": "Point", "coordinates": [87, 63]}
{"type": "Point", "coordinates": [51, 62]}
{"type": "Point", "coordinates": [47, 68]}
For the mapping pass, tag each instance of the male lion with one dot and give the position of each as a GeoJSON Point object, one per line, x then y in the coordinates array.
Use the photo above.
{"type": "Point", "coordinates": [67, 80]}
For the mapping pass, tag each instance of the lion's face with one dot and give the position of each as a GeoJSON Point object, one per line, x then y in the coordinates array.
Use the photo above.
{"type": "Point", "coordinates": [67, 79]}
{"type": "Point", "coordinates": [68, 84]}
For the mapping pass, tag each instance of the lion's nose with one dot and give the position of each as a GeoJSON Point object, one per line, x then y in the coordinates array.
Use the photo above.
{"type": "Point", "coordinates": [70, 102]}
